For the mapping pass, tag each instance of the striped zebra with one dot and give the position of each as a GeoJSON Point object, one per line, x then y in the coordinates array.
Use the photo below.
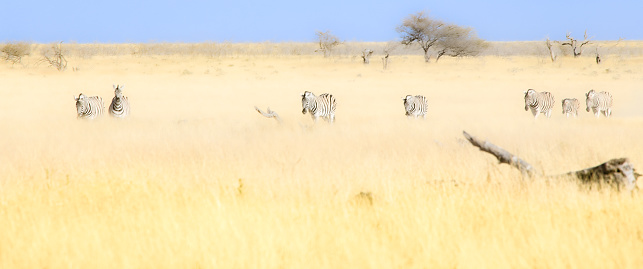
{"type": "Point", "coordinates": [539, 102]}
{"type": "Point", "coordinates": [119, 108]}
{"type": "Point", "coordinates": [89, 107]}
{"type": "Point", "coordinates": [415, 106]}
{"type": "Point", "coordinates": [570, 107]}
{"type": "Point", "coordinates": [601, 101]}
{"type": "Point", "coordinates": [323, 106]}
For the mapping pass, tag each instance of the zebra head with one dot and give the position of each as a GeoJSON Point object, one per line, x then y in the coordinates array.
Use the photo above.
{"type": "Point", "coordinates": [306, 100]}
{"type": "Point", "coordinates": [408, 102]}
{"type": "Point", "coordinates": [81, 103]}
{"type": "Point", "coordinates": [529, 98]}
{"type": "Point", "coordinates": [589, 99]}
{"type": "Point", "coordinates": [118, 91]}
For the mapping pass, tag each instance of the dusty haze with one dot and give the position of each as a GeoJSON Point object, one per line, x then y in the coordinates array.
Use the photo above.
{"type": "Point", "coordinates": [196, 178]}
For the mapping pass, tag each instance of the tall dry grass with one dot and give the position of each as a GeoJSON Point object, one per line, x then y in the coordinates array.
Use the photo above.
{"type": "Point", "coordinates": [197, 179]}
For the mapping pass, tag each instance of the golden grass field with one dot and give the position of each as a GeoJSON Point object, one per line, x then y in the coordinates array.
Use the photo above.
{"type": "Point", "coordinates": [196, 178]}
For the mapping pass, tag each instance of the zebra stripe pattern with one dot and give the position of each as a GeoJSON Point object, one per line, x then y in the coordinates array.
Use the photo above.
{"type": "Point", "coordinates": [89, 107]}
{"type": "Point", "coordinates": [322, 106]}
{"type": "Point", "coordinates": [601, 101]}
{"type": "Point", "coordinates": [539, 102]}
{"type": "Point", "coordinates": [119, 108]}
{"type": "Point", "coordinates": [570, 107]}
{"type": "Point", "coordinates": [415, 106]}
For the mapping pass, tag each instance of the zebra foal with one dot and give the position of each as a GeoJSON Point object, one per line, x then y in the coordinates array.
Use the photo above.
{"type": "Point", "coordinates": [322, 106]}
{"type": "Point", "coordinates": [539, 102]}
{"type": "Point", "coordinates": [415, 106]}
{"type": "Point", "coordinates": [570, 107]}
{"type": "Point", "coordinates": [601, 101]}
{"type": "Point", "coordinates": [119, 108]}
{"type": "Point", "coordinates": [89, 107]}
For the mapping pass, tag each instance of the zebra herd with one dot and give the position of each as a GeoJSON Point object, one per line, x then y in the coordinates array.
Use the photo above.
{"type": "Point", "coordinates": [543, 102]}
{"type": "Point", "coordinates": [92, 107]}
{"type": "Point", "coordinates": [324, 105]}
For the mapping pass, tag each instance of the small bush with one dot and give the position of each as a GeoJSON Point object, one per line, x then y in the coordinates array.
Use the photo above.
{"type": "Point", "coordinates": [13, 52]}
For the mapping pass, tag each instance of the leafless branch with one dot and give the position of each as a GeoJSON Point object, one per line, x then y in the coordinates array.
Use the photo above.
{"type": "Point", "coordinates": [502, 155]}
{"type": "Point", "coordinates": [269, 114]}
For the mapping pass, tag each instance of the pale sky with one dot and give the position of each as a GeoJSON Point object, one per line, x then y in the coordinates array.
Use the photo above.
{"type": "Point", "coordinates": [127, 21]}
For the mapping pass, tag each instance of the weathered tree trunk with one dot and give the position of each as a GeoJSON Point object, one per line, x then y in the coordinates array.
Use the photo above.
{"type": "Point", "coordinates": [551, 51]}
{"type": "Point", "coordinates": [427, 56]}
{"type": "Point", "coordinates": [385, 61]}
{"type": "Point", "coordinates": [366, 56]}
{"type": "Point", "coordinates": [269, 114]}
{"type": "Point", "coordinates": [616, 172]}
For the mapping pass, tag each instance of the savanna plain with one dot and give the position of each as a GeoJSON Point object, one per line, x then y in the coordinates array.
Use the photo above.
{"type": "Point", "coordinates": [196, 178]}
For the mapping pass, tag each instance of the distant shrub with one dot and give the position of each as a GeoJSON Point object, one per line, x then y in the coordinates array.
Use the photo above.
{"type": "Point", "coordinates": [13, 52]}
{"type": "Point", "coordinates": [55, 57]}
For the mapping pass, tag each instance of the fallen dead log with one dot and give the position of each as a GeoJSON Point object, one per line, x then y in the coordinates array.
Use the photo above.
{"type": "Point", "coordinates": [616, 172]}
{"type": "Point", "coordinates": [502, 155]}
{"type": "Point", "coordinates": [269, 114]}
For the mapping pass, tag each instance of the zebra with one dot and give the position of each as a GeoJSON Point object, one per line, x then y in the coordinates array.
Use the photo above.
{"type": "Point", "coordinates": [89, 107]}
{"type": "Point", "coordinates": [570, 106]}
{"type": "Point", "coordinates": [539, 102]}
{"type": "Point", "coordinates": [598, 102]}
{"type": "Point", "coordinates": [323, 106]}
{"type": "Point", "coordinates": [119, 108]}
{"type": "Point", "coordinates": [415, 106]}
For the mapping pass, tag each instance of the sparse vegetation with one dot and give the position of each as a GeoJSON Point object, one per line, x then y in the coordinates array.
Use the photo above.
{"type": "Point", "coordinates": [327, 42]}
{"type": "Point", "coordinates": [14, 51]}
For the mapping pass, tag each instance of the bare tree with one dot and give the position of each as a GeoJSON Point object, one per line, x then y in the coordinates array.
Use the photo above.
{"type": "Point", "coordinates": [366, 55]}
{"type": "Point", "coordinates": [419, 28]}
{"type": "Point", "coordinates": [577, 48]}
{"type": "Point", "coordinates": [551, 51]}
{"type": "Point", "coordinates": [459, 41]}
{"type": "Point", "coordinates": [56, 60]}
{"type": "Point", "coordinates": [327, 42]}
{"type": "Point", "coordinates": [388, 49]}
{"type": "Point", "coordinates": [269, 114]}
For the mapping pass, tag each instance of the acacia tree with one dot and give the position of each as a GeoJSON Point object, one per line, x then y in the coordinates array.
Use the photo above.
{"type": "Point", "coordinates": [327, 42]}
{"type": "Point", "coordinates": [419, 28]}
{"type": "Point", "coordinates": [449, 39]}
{"type": "Point", "coordinates": [458, 41]}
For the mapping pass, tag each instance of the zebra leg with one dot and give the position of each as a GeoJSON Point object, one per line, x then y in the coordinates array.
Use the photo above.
{"type": "Point", "coordinates": [548, 113]}
{"type": "Point", "coordinates": [332, 118]}
{"type": "Point", "coordinates": [608, 112]}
